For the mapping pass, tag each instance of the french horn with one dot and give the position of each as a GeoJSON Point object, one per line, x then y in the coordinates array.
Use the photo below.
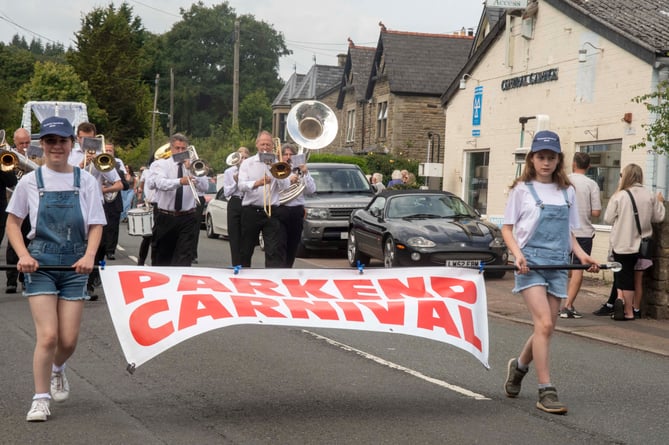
{"type": "Point", "coordinates": [312, 125]}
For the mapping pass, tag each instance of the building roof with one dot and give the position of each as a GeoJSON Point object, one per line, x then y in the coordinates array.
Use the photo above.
{"type": "Point", "coordinates": [288, 90]}
{"type": "Point", "coordinates": [643, 22]}
{"type": "Point", "coordinates": [358, 65]}
{"type": "Point", "coordinates": [320, 80]}
{"type": "Point", "coordinates": [417, 63]}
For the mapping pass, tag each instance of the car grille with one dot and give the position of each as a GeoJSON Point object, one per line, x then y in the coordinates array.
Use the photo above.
{"type": "Point", "coordinates": [340, 213]}
{"type": "Point", "coordinates": [442, 257]}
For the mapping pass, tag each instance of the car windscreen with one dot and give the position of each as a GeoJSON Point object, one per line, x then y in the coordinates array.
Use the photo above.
{"type": "Point", "coordinates": [343, 180]}
{"type": "Point", "coordinates": [427, 206]}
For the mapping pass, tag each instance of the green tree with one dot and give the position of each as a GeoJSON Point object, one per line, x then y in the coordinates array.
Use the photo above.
{"type": "Point", "coordinates": [200, 49]}
{"type": "Point", "coordinates": [58, 82]}
{"type": "Point", "coordinates": [16, 68]}
{"type": "Point", "coordinates": [110, 58]}
{"type": "Point", "coordinates": [657, 132]}
{"type": "Point", "coordinates": [255, 111]}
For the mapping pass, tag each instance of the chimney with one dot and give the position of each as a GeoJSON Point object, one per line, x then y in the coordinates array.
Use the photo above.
{"type": "Point", "coordinates": [341, 60]}
{"type": "Point", "coordinates": [470, 32]}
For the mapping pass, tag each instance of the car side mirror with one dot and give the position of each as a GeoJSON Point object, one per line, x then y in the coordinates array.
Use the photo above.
{"type": "Point", "coordinates": [376, 212]}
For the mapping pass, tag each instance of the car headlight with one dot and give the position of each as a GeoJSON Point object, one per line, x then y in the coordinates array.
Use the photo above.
{"type": "Point", "coordinates": [316, 213]}
{"type": "Point", "coordinates": [419, 241]}
{"type": "Point", "coordinates": [496, 243]}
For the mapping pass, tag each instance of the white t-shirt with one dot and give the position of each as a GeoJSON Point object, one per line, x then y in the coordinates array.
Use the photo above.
{"type": "Point", "coordinates": [587, 199]}
{"type": "Point", "coordinates": [523, 213]}
{"type": "Point", "coordinates": [25, 199]}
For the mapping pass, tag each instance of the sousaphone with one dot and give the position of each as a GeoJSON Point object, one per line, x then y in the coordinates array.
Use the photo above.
{"type": "Point", "coordinates": [312, 125]}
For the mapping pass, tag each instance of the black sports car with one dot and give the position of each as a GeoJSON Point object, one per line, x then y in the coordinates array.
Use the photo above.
{"type": "Point", "coordinates": [423, 228]}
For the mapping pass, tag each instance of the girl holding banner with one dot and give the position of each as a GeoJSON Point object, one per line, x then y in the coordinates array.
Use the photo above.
{"type": "Point", "coordinates": [64, 205]}
{"type": "Point", "coordinates": [538, 222]}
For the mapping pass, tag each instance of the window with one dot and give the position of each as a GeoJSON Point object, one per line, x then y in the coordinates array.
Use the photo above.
{"type": "Point", "coordinates": [604, 169]}
{"type": "Point", "coordinates": [476, 187]}
{"type": "Point", "coordinates": [282, 127]}
{"type": "Point", "coordinates": [350, 125]}
{"type": "Point", "coordinates": [382, 120]}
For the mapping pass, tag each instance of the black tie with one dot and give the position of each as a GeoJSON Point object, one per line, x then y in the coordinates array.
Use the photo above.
{"type": "Point", "coordinates": [178, 199]}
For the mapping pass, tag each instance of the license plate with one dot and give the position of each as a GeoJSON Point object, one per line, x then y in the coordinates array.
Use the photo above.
{"type": "Point", "coordinates": [343, 235]}
{"type": "Point", "coordinates": [462, 263]}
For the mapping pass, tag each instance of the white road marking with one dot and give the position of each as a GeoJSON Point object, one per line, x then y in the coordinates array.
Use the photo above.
{"type": "Point", "coordinates": [379, 360]}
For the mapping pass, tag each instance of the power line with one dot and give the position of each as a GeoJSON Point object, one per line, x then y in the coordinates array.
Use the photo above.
{"type": "Point", "coordinates": [156, 9]}
{"type": "Point", "coordinates": [6, 18]}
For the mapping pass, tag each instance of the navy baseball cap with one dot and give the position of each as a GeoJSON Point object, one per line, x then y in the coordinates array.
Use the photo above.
{"type": "Point", "coordinates": [546, 140]}
{"type": "Point", "coordinates": [56, 125]}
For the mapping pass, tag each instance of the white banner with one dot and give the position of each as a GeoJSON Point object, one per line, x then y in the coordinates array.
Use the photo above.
{"type": "Point", "coordinates": [155, 308]}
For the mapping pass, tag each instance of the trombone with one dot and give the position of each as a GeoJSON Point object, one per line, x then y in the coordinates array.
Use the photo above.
{"type": "Point", "coordinates": [198, 168]}
{"type": "Point", "coordinates": [11, 160]}
{"type": "Point", "coordinates": [102, 161]}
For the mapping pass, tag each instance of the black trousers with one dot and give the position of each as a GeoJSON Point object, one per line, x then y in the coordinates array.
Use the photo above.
{"type": "Point", "coordinates": [173, 239]}
{"type": "Point", "coordinates": [13, 275]}
{"type": "Point", "coordinates": [292, 222]}
{"type": "Point", "coordinates": [254, 221]}
{"type": "Point", "coordinates": [235, 229]}
{"type": "Point", "coordinates": [113, 212]}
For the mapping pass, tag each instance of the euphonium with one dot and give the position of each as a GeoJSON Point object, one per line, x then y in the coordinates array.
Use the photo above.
{"type": "Point", "coordinates": [163, 152]}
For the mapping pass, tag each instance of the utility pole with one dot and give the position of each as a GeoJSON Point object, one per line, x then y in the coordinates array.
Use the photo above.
{"type": "Point", "coordinates": [235, 80]}
{"type": "Point", "coordinates": [171, 102]}
{"type": "Point", "coordinates": [154, 112]}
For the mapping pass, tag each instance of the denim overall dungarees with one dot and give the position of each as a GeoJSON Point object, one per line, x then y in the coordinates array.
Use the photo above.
{"type": "Point", "coordinates": [549, 244]}
{"type": "Point", "coordinates": [60, 240]}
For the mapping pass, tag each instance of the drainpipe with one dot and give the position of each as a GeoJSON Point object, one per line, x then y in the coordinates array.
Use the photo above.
{"type": "Point", "coordinates": [661, 160]}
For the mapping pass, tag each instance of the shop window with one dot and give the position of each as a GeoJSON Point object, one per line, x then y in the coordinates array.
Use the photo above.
{"type": "Point", "coordinates": [604, 169]}
{"type": "Point", "coordinates": [476, 185]}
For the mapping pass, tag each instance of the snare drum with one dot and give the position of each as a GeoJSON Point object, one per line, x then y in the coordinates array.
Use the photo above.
{"type": "Point", "coordinates": [140, 222]}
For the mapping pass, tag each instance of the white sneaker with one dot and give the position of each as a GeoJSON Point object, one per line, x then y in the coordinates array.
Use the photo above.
{"type": "Point", "coordinates": [39, 411]}
{"type": "Point", "coordinates": [60, 388]}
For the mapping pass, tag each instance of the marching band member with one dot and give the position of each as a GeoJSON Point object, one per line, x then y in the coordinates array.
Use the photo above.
{"type": "Point", "coordinates": [173, 235]}
{"type": "Point", "coordinates": [234, 197]}
{"type": "Point", "coordinates": [21, 144]}
{"type": "Point", "coordinates": [261, 200]}
{"type": "Point", "coordinates": [291, 213]}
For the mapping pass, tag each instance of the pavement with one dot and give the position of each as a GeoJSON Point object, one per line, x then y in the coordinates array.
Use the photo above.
{"type": "Point", "coordinates": [642, 334]}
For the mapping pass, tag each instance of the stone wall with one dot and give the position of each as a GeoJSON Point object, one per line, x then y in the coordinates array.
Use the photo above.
{"type": "Point", "coordinates": [655, 302]}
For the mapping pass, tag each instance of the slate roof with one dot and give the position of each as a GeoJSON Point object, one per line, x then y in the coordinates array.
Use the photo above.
{"type": "Point", "coordinates": [417, 63]}
{"type": "Point", "coordinates": [644, 22]}
{"type": "Point", "coordinates": [358, 65]}
{"type": "Point", "coordinates": [288, 90]}
{"type": "Point", "coordinates": [320, 80]}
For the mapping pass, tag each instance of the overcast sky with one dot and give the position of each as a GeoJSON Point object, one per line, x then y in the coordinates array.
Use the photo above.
{"type": "Point", "coordinates": [311, 28]}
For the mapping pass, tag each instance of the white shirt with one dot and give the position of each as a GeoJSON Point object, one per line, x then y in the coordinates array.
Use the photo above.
{"type": "Point", "coordinates": [164, 179]}
{"type": "Point", "coordinates": [309, 189]}
{"type": "Point", "coordinates": [25, 199]}
{"type": "Point", "coordinates": [587, 200]}
{"type": "Point", "coordinates": [230, 186]}
{"type": "Point", "coordinates": [523, 213]}
{"type": "Point", "coordinates": [250, 171]}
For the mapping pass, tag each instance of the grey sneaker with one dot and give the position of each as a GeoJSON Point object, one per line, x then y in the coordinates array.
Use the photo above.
{"type": "Point", "coordinates": [514, 377]}
{"type": "Point", "coordinates": [570, 313]}
{"type": "Point", "coordinates": [60, 387]}
{"type": "Point", "coordinates": [39, 411]}
{"type": "Point", "coordinates": [548, 401]}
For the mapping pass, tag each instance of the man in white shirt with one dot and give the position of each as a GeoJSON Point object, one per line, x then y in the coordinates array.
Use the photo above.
{"type": "Point", "coordinates": [234, 197]}
{"type": "Point", "coordinates": [589, 206]}
{"type": "Point", "coordinates": [261, 200]}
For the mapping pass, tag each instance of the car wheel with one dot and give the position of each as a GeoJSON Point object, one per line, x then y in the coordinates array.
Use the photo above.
{"type": "Point", "coordinates": [209, 225]}
{"type": "Point", "coordinates": [353, 254]}
{"type": "Point", "coordinates": [389, 253]}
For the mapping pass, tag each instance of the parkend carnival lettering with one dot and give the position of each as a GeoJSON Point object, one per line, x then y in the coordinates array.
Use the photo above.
{"type": "Point", "coordinates": [439, 301]}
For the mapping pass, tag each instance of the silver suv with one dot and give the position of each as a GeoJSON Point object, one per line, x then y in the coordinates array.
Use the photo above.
{"type": "Point", "coordinates": [340, 189]}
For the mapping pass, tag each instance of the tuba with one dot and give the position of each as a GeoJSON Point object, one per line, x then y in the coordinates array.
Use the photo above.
{"type": "Point", "coordinates": [163, 152]}
{"type": "Point", "coordinates": [312, 125]}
